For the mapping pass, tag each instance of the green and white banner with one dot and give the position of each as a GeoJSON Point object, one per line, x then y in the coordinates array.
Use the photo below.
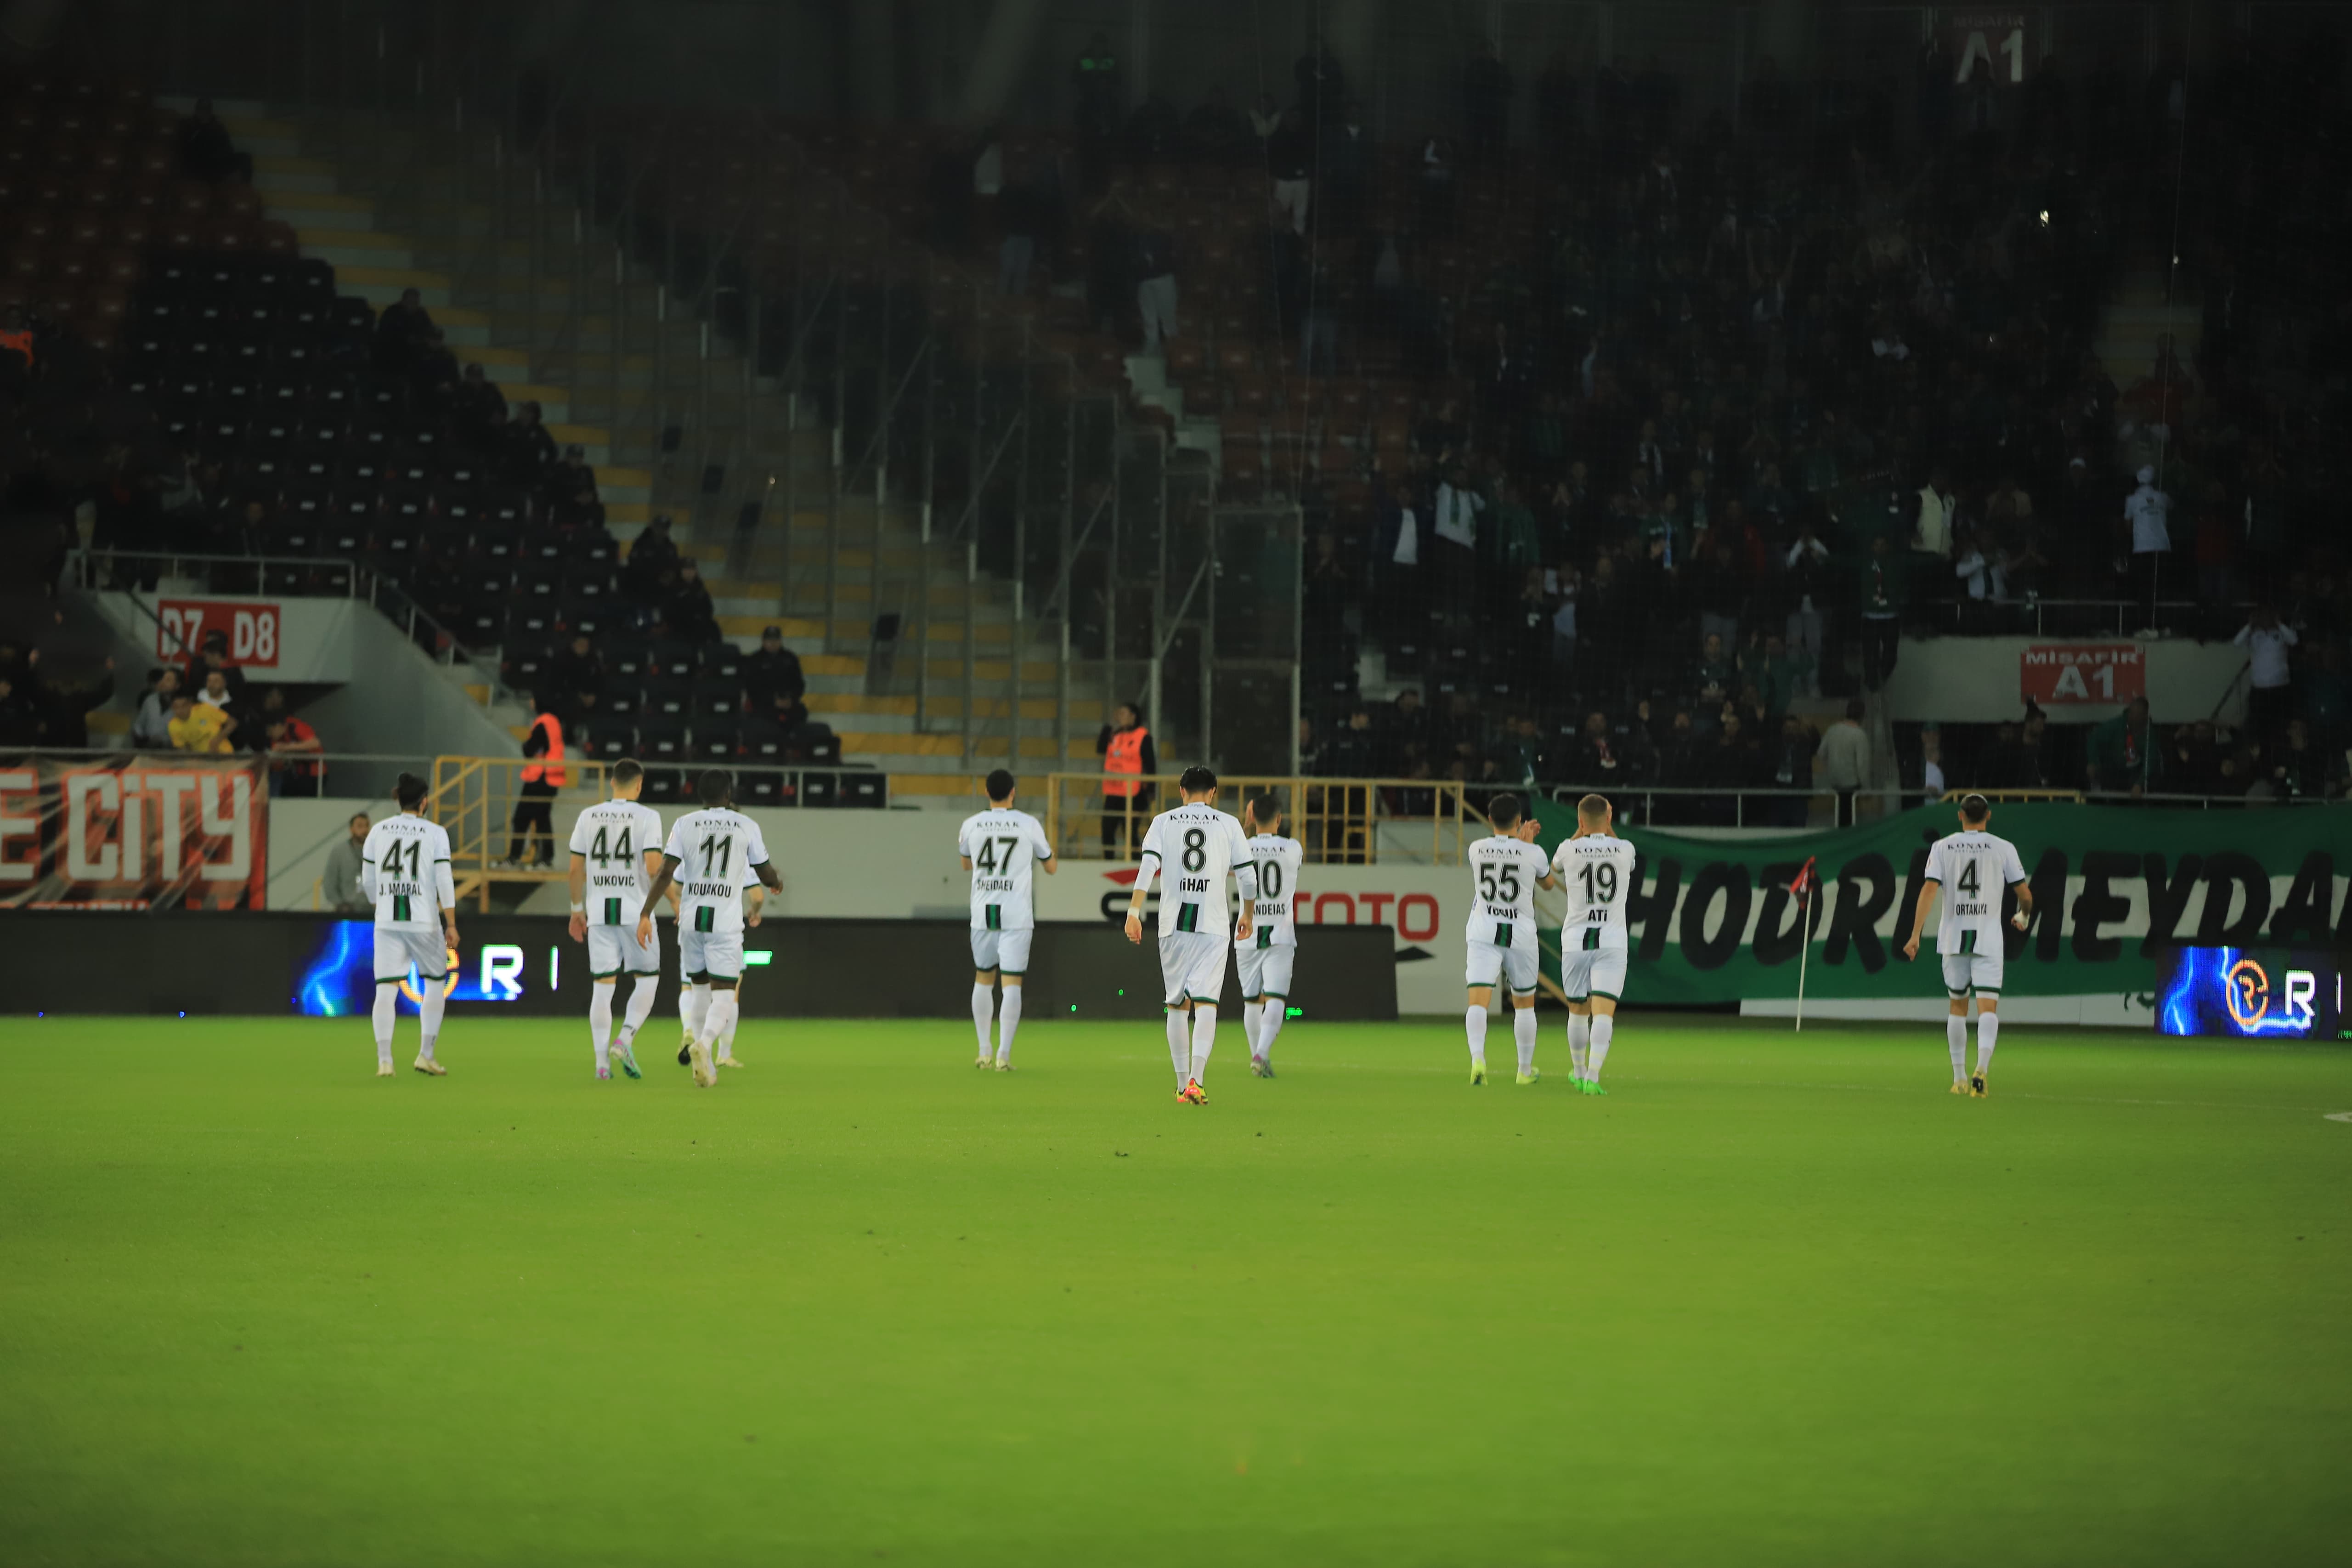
{"type": "Point", "coordinates": [1712, 921]}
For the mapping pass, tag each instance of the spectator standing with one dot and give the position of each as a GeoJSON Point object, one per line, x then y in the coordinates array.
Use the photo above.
{"type": "Point", "coordinates": [1845, 759]}
{"type": "Point", "coordinates": [151, 729]}
{"type": "Point", "coordinates": [1401, 549]}
{"type": "Point", "coordinates": [1455, 529]}
{"type": "Point", "coordinates": [1933, 529]}
{"type": "Point", "coordinates": [339, 884]}
{"type": "Point", "coordinates": [1881, 613]}
{"type": "Point", "coordinates": [1130, 759]}
{"type": "Point", "coordinates": [2122, 754]}
{"type": "Point", "coordinates": [1793, 770]}
{"type": "Point", "coordinates": [544, 775]}
{"type": "Point", "coordinates": [1806, 579]}
{"type": "Point", "coordinates": [1155, 283]}
{"type": "Point", "coordinates": [284, 739]}
{"type": "Point", "coordinates": [687, 607]}
{"type": "Point", "coordinates": [1291, 160]}
{"type": "Point", "coordinates": [2147, 511]}
{"type": "Point", "coordinates": [1487, 88]}
{"type": "Point", "coordinates": [2269, 693]}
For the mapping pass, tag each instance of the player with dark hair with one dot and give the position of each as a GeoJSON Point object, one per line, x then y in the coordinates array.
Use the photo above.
{"type": "Point", "coordinates": [405, 872]}
{"type": "Point", "coordinates": [1194, 846]}
{"type": "Point", "coordinates": [1506, 869]}
{"type": "Point", "coordinates": [720, 852]}
{"type": "Point", "coordinates": [1002, 849]}
{"type": "Point", "coordinates": [1265, 964]}
{"type": "Point", "coordinates": [1972, 866]}
{"type": "Point", "coordinates": [615, 854]}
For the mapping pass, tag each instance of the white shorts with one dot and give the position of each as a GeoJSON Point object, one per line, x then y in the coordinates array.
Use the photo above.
{"type": "Point", "coordinates": [1004, 950]}
{"type": "Point", "coordinates": [1599, 971]}
{"type": "Point", "coordinates": [716, 953]}
{"type": "Point", "coordinates": [1978, 971]}
{"type": "Point", "coordinates": [1265, 970]}
{"type": "Point", "coordinates": [612, 949]}
{"type": "Point", "coordinates": [397, 948]}
{"type": "Point", "coordinates": [1192, 963]}
{"type": "Point", "coordinates": [1517, 965]}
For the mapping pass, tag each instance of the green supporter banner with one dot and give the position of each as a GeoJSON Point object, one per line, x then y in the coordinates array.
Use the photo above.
{"type": "Point", "coordinates": [1712, 920]}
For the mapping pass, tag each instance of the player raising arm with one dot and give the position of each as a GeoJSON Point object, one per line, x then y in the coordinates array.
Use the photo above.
{"type": "Point", "coordinates": [615, 854]}
{"type": "Point", "coordinates": [1194, 846]}
{"type": "Point", "coordinates": [1506, 869]}
{"type": "Point", "coordinates": [405, 872]}
{"type": "Point", "coordinates": [1971, 868]}
{"type": "Point", "coordinates": [1597, 868]}
{"type": "Point", "coordinates": [713, 854]}
{"type": "Point", "coordinates": [1265, 964]}
{"type": "Point", "coordinates": [1000, 848]}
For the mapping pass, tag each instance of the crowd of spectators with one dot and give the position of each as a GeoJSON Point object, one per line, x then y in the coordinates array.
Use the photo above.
{"type": "Point", "coordinates": [1707, 417]}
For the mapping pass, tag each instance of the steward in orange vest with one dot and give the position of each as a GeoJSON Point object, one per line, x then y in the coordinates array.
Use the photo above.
{"type": "Point", "coordinates": [1127, 754]}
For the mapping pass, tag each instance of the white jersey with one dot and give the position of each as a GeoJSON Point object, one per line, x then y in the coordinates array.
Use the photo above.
{"type": "Point", "coordinates": [716, 849]}
{"type": "Point", "coordinates": [1277, 861]}
{"type": "Point", "coordinates": [1193, 848]}
{"type": "Point", "coordinates": [1503, 876]}
{"type": "Point", "coordinates": [1003, 847]}
{"type": "Point", "coordinates": [615, 839]}
{"type": "Point", "coordinates": [1972, 869]}
{"type": "Point", "coordinates": [1598, 871]}
{"type": "Point", "coordinates": [405, 871]}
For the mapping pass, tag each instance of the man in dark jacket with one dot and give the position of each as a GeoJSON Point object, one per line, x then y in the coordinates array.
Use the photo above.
{"type": "Point", "coordinates": [773, 678]}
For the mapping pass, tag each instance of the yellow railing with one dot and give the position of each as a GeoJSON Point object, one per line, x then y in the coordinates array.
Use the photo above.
{"type": "Point", "coordinates": [475, 798]}
{"type": "Point", "coordinates": [1340, 821]}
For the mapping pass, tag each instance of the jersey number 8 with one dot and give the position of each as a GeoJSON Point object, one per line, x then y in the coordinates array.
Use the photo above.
{"type": "Point", "coordinates": [1196, 849]}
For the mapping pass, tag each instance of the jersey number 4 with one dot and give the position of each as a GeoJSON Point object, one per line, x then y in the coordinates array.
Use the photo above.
{"type": "Point", "coordinates": [605, 854]}
{"type": "Point", "coordinates": [991, 857]}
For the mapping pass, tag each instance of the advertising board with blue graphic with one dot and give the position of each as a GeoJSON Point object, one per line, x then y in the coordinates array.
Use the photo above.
{"type": "Point", "coordinates": [2247, 992]}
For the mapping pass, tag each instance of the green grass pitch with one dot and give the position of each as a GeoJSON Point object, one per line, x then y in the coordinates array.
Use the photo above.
{"type": "Point", "coordinates": [1773, 1301]}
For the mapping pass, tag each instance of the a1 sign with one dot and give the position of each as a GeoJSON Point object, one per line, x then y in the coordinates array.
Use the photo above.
{"type": "Point", "coordinates": [1994, 39]}
{"type": "Point", "coordinates": [2095, 673]}
{"type": "Point", "coordinates": [251, 629]}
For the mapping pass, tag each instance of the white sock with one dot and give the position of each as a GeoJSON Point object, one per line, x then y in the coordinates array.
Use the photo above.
{"type": "Point", "coordinates": [1474, 1022]}
{"type": "Point", "coordinates": [1204, 1039]}
{"type": "Point", "coordinates": [599, 1022]}
{"type": "Point", "coordinates": [1602, 1028]}
{"type": "Point", "coordinates": [1987, 1031]}
{"type": "Point", "coordinates": [1252, 1009]}
{"type": "Point", "coordinates": [1008, 1019]}
{"type": "Point", "coordinates": [1523, 1033]}
{"type": "Point", "coordinates": [387, 1001]}
{"type": "Point", "coordinates": [429, 1012]}
{"type": "Point", "coordinates": [725, 1049]}
{"type": "Point", "coordinates": [693, 1002]}
{"type": "Point", "coordinates": [1269, 1023]}
{"type": "Point", "coordinates": [641, 1006]}
{"type": "Point", "coordinates": [1956, 1034]}
{"type": "Point", "coordinates": [1179, 1043]}
{"type": "Point", "coordinates": [1579, 1043]}
{"type": "Point", "coordinates": [984, 1009]}
{"type": "Point", "coordinates": [718, 1017]}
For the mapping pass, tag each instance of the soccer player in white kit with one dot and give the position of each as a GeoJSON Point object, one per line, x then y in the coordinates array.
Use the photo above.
{"type": "Point", "coordinates": [1971, 868]}
{"type": "Point", "coordinates": [713, 855]}
{"type": "Point", "coordinates": [1266, 960]}
{"type": "Point", "coordinates": [405, 872]}
{"type": "Point", "coordinates": [1597, 869]}
{"type": "Point", "coordinates": [1506, 869]}
{"type": "Point", "coordinates": [1002, 849]}
{"type": "Point", "coordinates": [615, 851]}
{"type": "Point", "coordinates": [1192, 847]}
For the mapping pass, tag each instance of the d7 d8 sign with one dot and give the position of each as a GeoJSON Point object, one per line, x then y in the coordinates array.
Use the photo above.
{"type": "Point", "coordinates": [251, 629]}
{"type": "Point", "coordinates": [2099, 674]}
